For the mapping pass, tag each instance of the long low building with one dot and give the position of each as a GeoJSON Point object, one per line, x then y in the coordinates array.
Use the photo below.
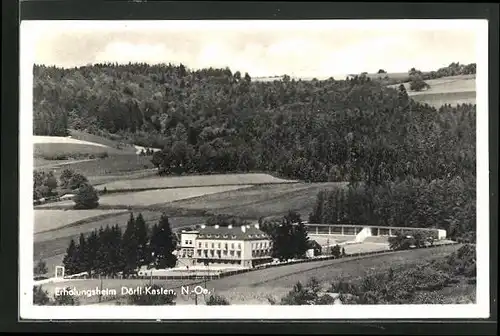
{"type": "Point", "coordinates": [361, 232]}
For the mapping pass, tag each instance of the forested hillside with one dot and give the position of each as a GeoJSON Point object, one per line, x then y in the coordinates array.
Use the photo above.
{"type": "Point", "coordinates": [213, 120]}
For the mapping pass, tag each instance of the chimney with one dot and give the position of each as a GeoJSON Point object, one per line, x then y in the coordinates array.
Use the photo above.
{"type": "Point", "coordinates": [230, 226]}
{"type": "Point", "coordinates": [203, 226]}
{"type": "Point", "coordinates": [243, 228]}
{"type": "Point", "coordinates": [216, 226]}
{"type": "Point", "coordinates": [248, 226]}
{"type": "Point", "coordinates": [257, 226]}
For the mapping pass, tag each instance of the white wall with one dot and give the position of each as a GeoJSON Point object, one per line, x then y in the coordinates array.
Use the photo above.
{"type": "Point", "coordinates": [363, 234]}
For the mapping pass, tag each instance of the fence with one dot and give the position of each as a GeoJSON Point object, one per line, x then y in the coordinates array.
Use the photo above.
{"type": "Point", "coordinates": [245, 270]}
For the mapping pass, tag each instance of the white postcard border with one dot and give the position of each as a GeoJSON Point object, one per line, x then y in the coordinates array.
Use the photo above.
{"type": "Point", "coordinates": [26, 213]}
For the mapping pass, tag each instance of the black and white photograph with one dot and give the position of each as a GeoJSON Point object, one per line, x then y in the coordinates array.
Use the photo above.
{"type": "Point", "coordinates": [257, 165]}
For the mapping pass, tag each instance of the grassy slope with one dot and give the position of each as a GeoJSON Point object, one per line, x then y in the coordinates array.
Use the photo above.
{"type": "Point", "coordinates": [124, 147]}
{"type": "Point", "coordinates": [447, 90]}
{"type": "Point", "coordinates": [157, 182]}
{"type": "Point", "coordinates": [254, 287]}
{"type": "Point", "coordinates": [50, 220]}
{"type": "Point", "coordinates": [257, 201]}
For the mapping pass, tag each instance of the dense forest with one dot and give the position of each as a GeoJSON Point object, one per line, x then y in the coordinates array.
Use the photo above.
{"type": "Point", "coordinates": [213, 120]}
{"type": "Point", "coordinates": [411, 164]}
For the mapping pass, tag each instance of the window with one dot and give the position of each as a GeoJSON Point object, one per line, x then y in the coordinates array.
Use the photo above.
{"type": "Point", "coordinates": [238, 254]}
{"type": "Point", "coordinates": [208, 235]}
{"type": "Point", "coordinates": [225, 246]}
{"type": "Point", "coordinates": [224, 252]}
{"type": "Point", "coordinates": [239, 246]}
{"type": "Point", "coordinates": [218, 245]}
{"type": "Point", "coordinates": [232, 245]}
{"type": "Point", "coordinates": [225, 236]}
{"type": "Point", "coordinates": [186, 242]}
{"type": "Point", "coordinates": [199, 253]}
{"type": "Point", "coordinates": [199, 245]}
{"type": "Point", "coordinates": [250, 236]}
{"type": "Point", "coordinates": [233, 236]}
{"type": "Point", "coordinates": [217, 236]}
{"type": "Point", "coordinates": [206, 245]}
{"type": "Point", "coordinates": [231, 253]}
{"type": "Point", "coordinates": [212, 245]}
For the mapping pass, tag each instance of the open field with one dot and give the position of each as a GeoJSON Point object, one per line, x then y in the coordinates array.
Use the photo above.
{"type": "Point", "coordinates": [145, 198]}
{"type": "Point", "coordinates": [48, 220]}
{"type": "Point", "coordinates": [53, 146]}
{"type": "Point", "coordinates": [124, 147]}
{"type": "Point", "coordinates": [399, 76]}
{"type": "Point", "coordinates": [256, 286]}
{"type": "Point", "coordinates": [258, 201]}
{"type": "Point", "coordinates": [447, 90]}
{"type": "Point", "coordinates": [439, 99]}
{"type": "Point", "coordinates": [158, 182]}
{"type": "Point", "coordinates": [111, 165]}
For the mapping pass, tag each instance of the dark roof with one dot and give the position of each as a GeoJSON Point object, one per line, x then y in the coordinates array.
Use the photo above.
{"type": "Point", "coordinates": [234, 233]}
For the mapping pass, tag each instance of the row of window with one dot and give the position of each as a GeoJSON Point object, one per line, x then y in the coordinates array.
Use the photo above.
{"type": "Point", "coordinates": [232, 236]}
{"type": "Point", "coordinates": [218, 254]}
{"type": "Point", "coordinates": [260, 245]}
{"type": "Point", "coordinates": [226, 245]}
{"type": "Point", "coordinates": [188, 242]}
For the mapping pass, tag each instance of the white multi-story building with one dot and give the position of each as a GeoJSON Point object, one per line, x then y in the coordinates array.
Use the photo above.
{"type": "Point", "coordinates": [245, 246]}
{"type": "Point", "coordinates": [187, 244]}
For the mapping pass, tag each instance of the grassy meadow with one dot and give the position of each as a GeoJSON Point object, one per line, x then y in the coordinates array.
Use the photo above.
{"type": "Point", "coordinates": [142, 199]}
{"type": "Point", "coordinates": [158, 182]}
{"type": "Point", "coordinates": [49, 220]}
{"type": "Point", "coordinates": [447, 90]}
{"type": "Point", "coordinates": [262, 200]}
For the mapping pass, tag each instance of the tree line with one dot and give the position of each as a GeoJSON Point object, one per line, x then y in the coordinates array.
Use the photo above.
{"type": "Point", "coordinates": [110, 252]}
{"type": "Point", "coordinates": [213, 120]}
{"type": "Point", "coordinates": [46, 185]}
{"type": "Point", "coordinates": [448, 204]}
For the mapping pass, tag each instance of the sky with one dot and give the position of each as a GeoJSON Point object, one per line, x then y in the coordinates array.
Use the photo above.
{"type": "Point", "coordinates": [261, 48]}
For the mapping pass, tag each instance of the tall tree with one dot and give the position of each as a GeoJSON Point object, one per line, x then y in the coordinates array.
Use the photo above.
{"type": "Point", "coordinates": [81, 254]}
{"type": "Point", "coordinates": [86, 197]}
{"type": "Point", "coordinates": [141, 234]}
{"type": "Point", "coordinates": [130, 247]}
{"type": "Point", "coordinates": [163, 244]}
{"type": "Point", "coordinates": [300, 240]}
{"type": "Point", "coordinates": [94, 260]}
{"type": "Point", "coordinates": [70, 260]}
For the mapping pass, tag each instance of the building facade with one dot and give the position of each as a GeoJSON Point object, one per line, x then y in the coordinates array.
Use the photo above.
{"type": "Point", "coordinates": [239, 246]}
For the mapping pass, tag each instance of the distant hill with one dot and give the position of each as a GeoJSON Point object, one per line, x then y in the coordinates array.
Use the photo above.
{"type": "Point", "coordinates": [217, 120]}
{"type": "Point", "coordinates": [452, 90]}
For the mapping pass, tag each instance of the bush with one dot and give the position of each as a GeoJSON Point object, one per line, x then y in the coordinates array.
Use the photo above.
{"type": "Point", "coordinates": [65, 299]}
{"type": "Point", "coordinates": [217, 300]}
{"type": "Point", "coordinates": [40, 268]}
{"type": "Point", "coordinates": [40, 297]}
{"type": "Point", "coordinates": [418, 85]}
{"type": "Point", "coordinates": [303, 295]}
{"type": "Point", "coordinates": [86, 197]}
